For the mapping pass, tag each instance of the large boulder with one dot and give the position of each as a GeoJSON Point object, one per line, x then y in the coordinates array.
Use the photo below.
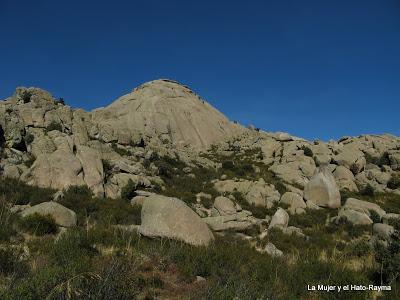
{"type": "Point", "coordinates": [322, 189]}
{"type": "Point", "coordinates": [355, 217]}
{"type": "Point", "coordinates": [171, 218]}
{"type": "Point", "coordinates": [345, 179]}
{"type": "Point", "coordinates": [61, 215]}
{"type": "Point", "coordinates": [364, 206]}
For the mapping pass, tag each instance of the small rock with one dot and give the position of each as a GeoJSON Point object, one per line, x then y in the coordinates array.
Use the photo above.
{"type": "Point", "coordinates": [272, 250]}
{"type": "Point", "coordinates": [279, 219]}
{"type": "Point", "coordinates": [383, 231]}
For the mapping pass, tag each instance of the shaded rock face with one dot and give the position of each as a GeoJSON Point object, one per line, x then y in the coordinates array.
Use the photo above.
{"type": "Point", "coordinates": [322, 189]}
{"type": "Point", "coordinates": [61, 215]}
{"type": "Point", "coordinates": [168, 110]}
{"type": "Point", "coordinates": [172, 218]}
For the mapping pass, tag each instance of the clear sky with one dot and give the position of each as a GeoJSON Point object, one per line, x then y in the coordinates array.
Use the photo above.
{"type": "Point", "coordinates": [313, 68]}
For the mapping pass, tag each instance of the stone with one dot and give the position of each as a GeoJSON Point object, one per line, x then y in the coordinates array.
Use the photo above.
{"type": "Point", "coordinates": [322, 189]}
{"type": "Point", "coordinates": [238, 222]}
{"type": "Point", "coordinates": [62, 216]}
{"type": "Point", "coordinates": [171, 218]}
{"type": "Point", "coordinates": [312, 205]}
{"type": "Point", "coordinates": [279, 219]}
{"type": "Point", "coordinates": [364, 206]}
{"type": "Point", "coordinates": [295, 202]}
{"type": "Point", "coordinates": [271, 250]}
{"type": "Point", "coordinates": [355, 217]}
{"type": "Point", "coordinates": [258, 193]}
{"type": "Point", "coordinates": [345, 179]}
{"type": "Point", "coordinates": [383, 231]}
{"type": "Point", "coordinates": [224, 206]}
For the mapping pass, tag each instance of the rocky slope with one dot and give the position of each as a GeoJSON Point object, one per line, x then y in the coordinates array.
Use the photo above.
{"type": "Point", "coordinates": [49, 144]}
{"type": "Point", "coordinates": [177, 169]}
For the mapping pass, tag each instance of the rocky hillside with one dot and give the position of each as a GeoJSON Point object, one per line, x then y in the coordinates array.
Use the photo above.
{"type": "Point", "coordinates": [161, 162]}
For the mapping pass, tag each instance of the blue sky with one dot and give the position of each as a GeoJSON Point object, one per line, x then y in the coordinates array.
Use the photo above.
{"type": "Point", "coordinates": [316, 69]}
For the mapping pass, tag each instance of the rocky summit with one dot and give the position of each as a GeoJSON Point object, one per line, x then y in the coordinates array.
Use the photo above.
{"type": "Point", "coordinates": [185, 203]}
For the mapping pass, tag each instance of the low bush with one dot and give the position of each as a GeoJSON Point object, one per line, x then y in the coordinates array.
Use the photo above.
{"type": "Point", "coordinates": [10, 263]}
{"type": "Point", "coordinates": [128, 191]}
{"type": "Point", "coordinates": [394, 182]}
{"type": "Point", "coordinates": [38, 225]}
{"type": "Point", "coordinates": [375, 217]}
{"type": "Point", "coordinates": [54, 126]}
{"type": "Point", "coordinates": [120, 150]}
{"type": "Point", "coordinates": [29, 138]}
{"type": "Point", "coordinates": [18, 192]}
{"type": "Point", "coordinates": [307, 151]}
{"type": "Point", "coordinates": [368, 190]}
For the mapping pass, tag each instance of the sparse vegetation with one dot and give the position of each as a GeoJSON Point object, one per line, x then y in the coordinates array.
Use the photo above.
{"type": "Point", "coordinates": [120, 150]}
{"type": "Point", "coordinates": [307, 151]}
{"type": "Point", "coordinates": [29, 138]}
{"type": "Point", "coordinates": [38, 225]}
{"type": "Point", "coordinates": [128, 191]}
{"type": "Point", "coordinates": [368, 190]}
{"type": "Point", "coordinates": [394, 182]}
{"type": "Point", "coordinates": [54, 126]}
{"type": "Point", "coordinates": [18, 192]}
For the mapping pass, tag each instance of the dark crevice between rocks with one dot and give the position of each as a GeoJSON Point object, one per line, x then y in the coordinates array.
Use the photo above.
{"type": "Point", "coordinates": [2, 138]}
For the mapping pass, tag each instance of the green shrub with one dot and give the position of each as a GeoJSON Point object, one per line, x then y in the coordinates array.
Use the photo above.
{"type": "Point", "coordinates": [60, 101]}
{"type": "Point", "coordinates": [29, 138]}
{"type": "Point", "coordinates": [38, 225]}
{"type": "Point", "coordinates": [308, 152]}
{"type": "Point", "coordinates": [368, 190]}
{"type": "Point", "coordinates": [375, 217]}
{"type": "Point", "coordinates": [54, 126]}
{"type": "Point", "coordinates": [311, 218]}
{"type": "Point", "coordinates": [10, 264]}
{"type": "Point", "coordinates": [360, 248]}
{"type": "Point", "coordinates": [394, 182]}
{"type": "Point", "coordinates": [128, 191]}
{"type": "Point", "coordinates": [228, 165]}
{"type": "Point", "coordinates": [7, 220]}
{"type": "Point", "coordinates": [107, 167]}
{"type": "Point", "coordinates": [384, 160]}
{"type": "Point", "coordinates": [280, 187]}
{"type": "Point", "coordinates": [18, 192]}
{"type": "Point", "coordinates": [121, 151]}
{"type": "Point", "coordinates": [389, 260]}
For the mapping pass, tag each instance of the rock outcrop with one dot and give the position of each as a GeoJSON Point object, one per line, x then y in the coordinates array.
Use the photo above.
{"type": "Point", "coordinates": [61, 215]}
{"type": "Point", "coordinates": [171, 218]}
{"type": "Point", "coordinates": [322, 189]}
{"type": "Point", "coordinates": [165, 109]}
